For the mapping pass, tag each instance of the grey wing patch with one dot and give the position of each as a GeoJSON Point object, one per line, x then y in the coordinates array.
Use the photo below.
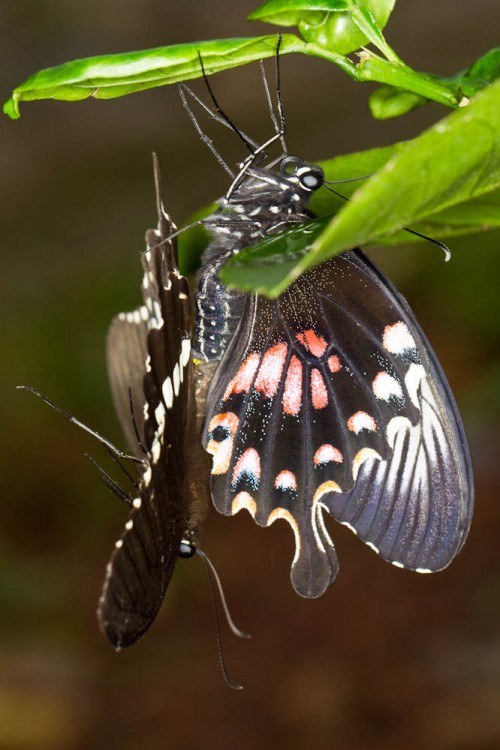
{"type": "Point", "coordinates": [126, 356]}
{"type": "Point", "coordinates": [139, 571]}
{"type": "Point", "coordinates": [414, 507]}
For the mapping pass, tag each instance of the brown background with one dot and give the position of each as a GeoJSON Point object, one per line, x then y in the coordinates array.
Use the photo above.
{"type": "Point", "coordinates": [386, 659]}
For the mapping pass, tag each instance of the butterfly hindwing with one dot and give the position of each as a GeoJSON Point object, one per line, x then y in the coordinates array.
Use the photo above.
{"type": "Point", "coordinates": [330, 398]}
{"type": "Point", "coordinates": [149, 358]}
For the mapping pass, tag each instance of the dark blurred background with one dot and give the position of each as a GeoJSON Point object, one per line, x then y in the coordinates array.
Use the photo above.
{"type": "Point", "coordinates": [386, 659]}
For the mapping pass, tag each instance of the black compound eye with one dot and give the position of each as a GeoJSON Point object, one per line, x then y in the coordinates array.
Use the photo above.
{"type": "Point", "coordinates": [187, 549]}
{"type": "Point", "coordinates": [290, 165]}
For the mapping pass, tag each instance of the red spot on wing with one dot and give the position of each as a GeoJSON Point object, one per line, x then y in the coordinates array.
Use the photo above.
{"type": "Point", "coordinates": [327, 453]}
{"type": "Point", "coordinates": [361, 421]}
{"type": "Point", "coordinates": [248, 463]}
{"type": "Point", "coordinates": [312, 343]}
{"type": "Point", "coordinates": [242, 381]}
{"type": "Point", "coordinates": [286, 481]}
{"type": "Point", "coordinates": [319, 394]}
{"type": "Point", "coordinates": [292, 395]}
{"type": "Point", "coordinates": [270, 370]}
{"type": "Point", "coordinates": [334, 363]}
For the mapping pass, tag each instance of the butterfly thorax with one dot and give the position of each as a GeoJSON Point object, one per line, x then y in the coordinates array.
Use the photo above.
{"type": "Point", "coordinates": [265, 203]}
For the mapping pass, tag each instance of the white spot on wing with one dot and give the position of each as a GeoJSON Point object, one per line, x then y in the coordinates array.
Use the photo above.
{"type": "Point", "coordinates": [160, 415]}
{"type": "Point", "coordinates": [185, 352]}
{"type": "Point", "coordinates": [386, 387]}
{"type": "Point", "coordinates": [168, 392]}
{"type": "Point", "coordinates": [177, 379]}
{"type": "Point", "coordinates": [397, 338]}
{"type": "Point", "coordinates": [156, 450]}
{"type": "Point", "coordinates": [361, 421]}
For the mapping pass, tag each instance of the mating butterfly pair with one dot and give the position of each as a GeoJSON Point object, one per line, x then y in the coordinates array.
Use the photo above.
{"type": "Point", "coordinates": [327, 399]}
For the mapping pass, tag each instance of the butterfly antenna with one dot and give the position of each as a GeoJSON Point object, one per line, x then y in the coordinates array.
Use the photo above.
{"type": "Point", "coordinates": [123, 469]}
{"type": "Point", "coordinates": [444, 248]}
{"type": "Point", "coordinates": [209, 566]}
{"type": "Point", "coordinates": [74, 420]}
{"type": "Point", "coordinates": [215, 116]}
{"type": "Point", "coordinates": [349, 179]}
{"type": "Point", "coordinates": [281, 126]}
{"type": "Point", "coordinates": [109, 482]}
{"type": "Point", "coordinates": [158, 189]}
{"type": "Point", "coordinates": [182, 88]}
{"type": "Point", "coordinates": [221, 113]}
{"type": "Point", "coordinates": [215, 586]}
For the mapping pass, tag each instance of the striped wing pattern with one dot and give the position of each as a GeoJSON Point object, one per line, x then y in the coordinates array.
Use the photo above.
{"type": "Point", "coordinates": [150, 372]}
{"type": "Point", "coordinates": [331, 399]}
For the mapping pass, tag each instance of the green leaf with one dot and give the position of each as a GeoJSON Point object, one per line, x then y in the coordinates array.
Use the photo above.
{"type": "Point", "coordinates": [388, 101]}
{"type": "Point", "coordinates": [485, 70]}
{"type": "Point", "coordinates": [453, 162]}
{"type": "Point", "coordinates": [328, 23]}
{"type": "Point", "coordinates": [263, 267]}
{"type": "Point", "coordinates": [192, 242]}
{"type": "Point", "coordinates": [110, 76]}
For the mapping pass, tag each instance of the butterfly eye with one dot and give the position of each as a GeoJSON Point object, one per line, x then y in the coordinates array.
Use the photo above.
{"type": "Point", "coordinates": [311, 178]}
{"type": "Point", "coordinates": [186, 549]}
{"type": "Point", "coordinates": [290, 165]}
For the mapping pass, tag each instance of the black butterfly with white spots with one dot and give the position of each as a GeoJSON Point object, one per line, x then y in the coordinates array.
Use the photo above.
{"type": "Point", "coordinates": [151, 376]}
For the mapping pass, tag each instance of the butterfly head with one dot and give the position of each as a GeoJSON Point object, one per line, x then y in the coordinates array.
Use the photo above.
{"type": "Point", "coordinates": [308, 177]}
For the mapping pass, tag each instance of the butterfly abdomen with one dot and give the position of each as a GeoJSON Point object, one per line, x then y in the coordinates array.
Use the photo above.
{"type": "Point", "coordinates": [218, 311]}
{"type": "Point", "coordinates": [264, 205]}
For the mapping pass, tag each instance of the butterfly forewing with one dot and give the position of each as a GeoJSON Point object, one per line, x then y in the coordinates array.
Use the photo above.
{"type": "Point", "coordinates": [150, 372]}
{"type": "Point", "coordinates": [330, 398]}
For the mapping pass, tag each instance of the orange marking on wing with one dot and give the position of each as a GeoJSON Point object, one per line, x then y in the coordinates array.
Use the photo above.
{"type": "Point", "coordinates": [327, 453]}
{"type": "Point", "coordinates": [292, 395]}
{"type": "Point", "coordinates": [242, 381]}
{"type": "Point", "coordinates": [285, 481]}
{"type": "Point", "coordinates": [319, 394]}
{"type": "Point", "coordinates": [244, 501]}
{"type": "Point", "coordinates": [221, 450]}
{"type": "Point", "coordinates": [324, 488]}
{"type": "Point", "coordinates": [269, 374]}
{"type": "Point", "coordinates": [312, 343]}
{"type": "Point", "coordinates": [334, 363]}
{"type": "Point", "coordinates": [361, 421]}
{"type": "Point", "coordinates": [249, 463]}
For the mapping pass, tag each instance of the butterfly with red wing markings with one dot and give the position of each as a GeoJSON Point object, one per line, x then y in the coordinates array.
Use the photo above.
{"type": "Point", "coordinates": [328, 398]}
